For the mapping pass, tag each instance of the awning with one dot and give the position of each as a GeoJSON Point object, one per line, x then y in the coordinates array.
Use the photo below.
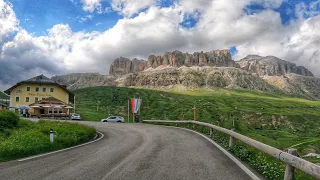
{"type": "Point", "coordinates": [35, 106]}
{"type": "Point", "coordinates": [68, 107]}
{"type": "Point", "coordinates": [12, 107]}
{"type": "Point", "coordinates": [24, 107]}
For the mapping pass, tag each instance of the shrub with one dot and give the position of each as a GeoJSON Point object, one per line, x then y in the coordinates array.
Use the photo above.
{"type": "Point", "coordinates": [8, 119]}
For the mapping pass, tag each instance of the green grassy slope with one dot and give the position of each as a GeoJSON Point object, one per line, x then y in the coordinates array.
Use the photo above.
{"type": "Point", "coordinates": [277, 120]}
{"type": "Point", "coordinates": [31, 138]}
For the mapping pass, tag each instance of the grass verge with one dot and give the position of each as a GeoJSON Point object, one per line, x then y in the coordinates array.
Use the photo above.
{"type": "Point", "coordinates": [31, 138]}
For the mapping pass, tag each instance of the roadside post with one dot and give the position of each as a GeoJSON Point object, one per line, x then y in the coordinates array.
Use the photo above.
{"type": "Point", "coordinates": [51, 135]}
{"type": "Point", "coordinates": [289, 173]}
{"type": "Point", "coordinates": [194, 115]}
{"type": "Point", "coordinates": [231, 140]}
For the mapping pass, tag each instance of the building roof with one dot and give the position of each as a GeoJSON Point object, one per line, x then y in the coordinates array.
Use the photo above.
{"type": "Point", "coordinates": [50, 100]}
{"type": "Point", "coordinates": [41, 79]}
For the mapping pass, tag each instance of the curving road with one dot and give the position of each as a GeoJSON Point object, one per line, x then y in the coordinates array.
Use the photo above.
{"type": "Point", "coordinates": [133, 152]}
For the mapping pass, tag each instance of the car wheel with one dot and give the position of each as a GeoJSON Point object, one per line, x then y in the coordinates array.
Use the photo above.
{"type": "Point", "coordinates": [105, 121]}
{"type": "Point", "coordinates": [119, 121]}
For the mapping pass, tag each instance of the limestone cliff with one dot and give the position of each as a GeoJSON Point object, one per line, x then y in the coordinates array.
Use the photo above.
{"type": "Point", "coordinates": [122, 66]}
{"type": "Point", "coordinates": [216, 58]}
{"type": "Point", "coordinates": [271, 66]}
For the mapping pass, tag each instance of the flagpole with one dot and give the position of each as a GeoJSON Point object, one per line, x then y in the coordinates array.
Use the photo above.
{"type": "Point", "coordinates": [128, 111]}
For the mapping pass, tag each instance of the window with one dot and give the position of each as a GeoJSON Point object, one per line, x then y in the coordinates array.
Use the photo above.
{"type": "Point", "coordinates": [17, 99]}
{"type": "Point", "coordinates": [60, 111]}
{"type": "Point", "coordinates": [113, 118]}
{"type": "Point", "coordinates": [37, 89]}
{"type": "Point", "coordinates": [28, 88]}
{"type": "Point", "coordinates": [27, 99]}
{"type": "Point", "coordinates": [50, 111]}
{"type": "Point", "coordinates": [51, 89]}
{"type": "Point", "coordinates": [55, 111]}
{"type": "Point", "coordinates": [44, 89]}
{"type": "Point", "coordinates": [36, 99]}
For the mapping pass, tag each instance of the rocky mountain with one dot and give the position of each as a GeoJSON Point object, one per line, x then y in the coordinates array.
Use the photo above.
{"type": "Point", "coordinates": [196, 77]}
{"type": "Point", "coordinates": [304, 86]}
{"type": "Point", "coordinates": [216, 58]}
{"type": "Point", "coordinates": [122, 66]}
{"type": "Point", "coordinates": [271, 66]}
{"type": "Point", "coordinates": [83, 80]}
{"type": "Point", "coordinates": [204, 70]}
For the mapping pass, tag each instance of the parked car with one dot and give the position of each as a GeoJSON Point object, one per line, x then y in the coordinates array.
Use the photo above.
{"type": "Point", "coordinates": [114, 119]}
{"type": "Point", "coordinates": [75, 117]}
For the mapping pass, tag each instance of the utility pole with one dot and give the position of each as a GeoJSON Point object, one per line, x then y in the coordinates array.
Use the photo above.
{"type": "Point", "coordinates": [128, 111]}
{"type": "Point", "coordinates": [74, 104]}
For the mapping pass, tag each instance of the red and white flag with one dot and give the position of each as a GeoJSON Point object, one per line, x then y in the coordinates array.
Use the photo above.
{"type": "Point", "coordinates": [135, 105]}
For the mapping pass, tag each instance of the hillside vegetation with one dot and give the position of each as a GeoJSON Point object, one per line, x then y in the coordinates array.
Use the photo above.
{"type": "Point", "coordinates": [22, 138]}
{"type": "Point", "coordinates": [277, 120]}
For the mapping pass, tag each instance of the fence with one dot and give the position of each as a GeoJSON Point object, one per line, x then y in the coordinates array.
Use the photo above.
{"type": "Point", "coordinates": [288, 157]}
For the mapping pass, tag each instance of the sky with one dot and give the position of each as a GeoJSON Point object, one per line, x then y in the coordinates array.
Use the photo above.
{"type": "Point", "coordinates": [55, 37]}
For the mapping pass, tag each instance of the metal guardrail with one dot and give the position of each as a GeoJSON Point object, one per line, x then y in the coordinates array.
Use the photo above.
{"type": "Point", "coordinates": [289, 158]}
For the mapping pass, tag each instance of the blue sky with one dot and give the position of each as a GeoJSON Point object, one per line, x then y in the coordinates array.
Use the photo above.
{"type": "Point", "coordinates": [36, 17]}
{"type": "Point", "coordinates": [87, 35]}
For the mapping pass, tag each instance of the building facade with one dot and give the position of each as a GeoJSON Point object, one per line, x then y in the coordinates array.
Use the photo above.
{"type": "Point", "coordinates": [33, 90]}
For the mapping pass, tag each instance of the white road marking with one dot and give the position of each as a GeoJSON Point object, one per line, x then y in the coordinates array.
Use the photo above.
{"type": "Point", "coordinates": [32, 157]}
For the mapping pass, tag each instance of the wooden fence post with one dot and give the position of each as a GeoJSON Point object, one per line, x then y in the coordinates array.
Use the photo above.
{"type": "Point", "coordinates": [289, 173]}
{"type": "Point", "coordinates": [231, 140]}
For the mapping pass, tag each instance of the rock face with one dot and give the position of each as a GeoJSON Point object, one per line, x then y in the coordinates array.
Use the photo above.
{"type": "Point", "coordinates": [122, 66]}
{"type": "Point", "coordinates": [303, 86]}
{"type": "Point", "coordinates": [271, 66]}
{"type": "Point", "coordinates": [83, 80]}
{"type": "Point", "coordinates": [196, 77]}
{"type": "Point", "coordinates": [216, 58]}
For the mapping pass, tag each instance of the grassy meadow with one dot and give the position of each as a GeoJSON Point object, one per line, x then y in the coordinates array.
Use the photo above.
{"type": "Point", "coordinates": [278, 120]}
{"type": "Point", "coordinates": [31, 138]}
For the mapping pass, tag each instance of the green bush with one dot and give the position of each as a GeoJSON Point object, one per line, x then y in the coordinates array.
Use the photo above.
{"type": "Point", "coordinates": [8, 119]}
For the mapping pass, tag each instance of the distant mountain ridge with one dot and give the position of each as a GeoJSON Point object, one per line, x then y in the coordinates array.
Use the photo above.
{"type": "Point", "coordinates": [271, 66]}
{"type": "Point", "coordinates": [216, 58]}
{"type": "Point", "coordinates": [262, 66]}
{"type": "Point", "coordinates": [211, 69]}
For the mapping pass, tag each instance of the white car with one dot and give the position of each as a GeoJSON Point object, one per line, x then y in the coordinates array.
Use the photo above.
{"type": "Point", "coordinates": [114, 119]}
{"type": "Point", "coordinates": [75, 117]}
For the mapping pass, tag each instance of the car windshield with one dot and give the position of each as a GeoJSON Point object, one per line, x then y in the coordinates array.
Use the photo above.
{"type": "Point", "coordinates": [127, 87]}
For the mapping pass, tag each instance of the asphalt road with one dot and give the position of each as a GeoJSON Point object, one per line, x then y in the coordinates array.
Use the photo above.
{"type": "Point", "coordinates": [133, 152]}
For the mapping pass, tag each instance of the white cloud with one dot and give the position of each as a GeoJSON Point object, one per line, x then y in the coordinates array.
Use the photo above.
{"type": "Point", "coordinates": [86, 18]}
{"type": "Point", "coordinates": [92, 5]}
{"type": "Point", "coordinates": [130, 7]}
{"type": "Point", "coordinates": [8, 21]}
{"type": "Point", "coordinates": [222, 24]}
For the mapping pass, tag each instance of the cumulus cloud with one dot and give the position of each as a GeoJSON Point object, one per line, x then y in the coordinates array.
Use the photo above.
{"type": "Point", "coordinates": [130, 7]}
{"type": "Point", "coordinates": [8, 21]}
{"type": "Point", "coordinates": [92, 5]}
{"type": "Point", "coordinates": [155, 30]}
